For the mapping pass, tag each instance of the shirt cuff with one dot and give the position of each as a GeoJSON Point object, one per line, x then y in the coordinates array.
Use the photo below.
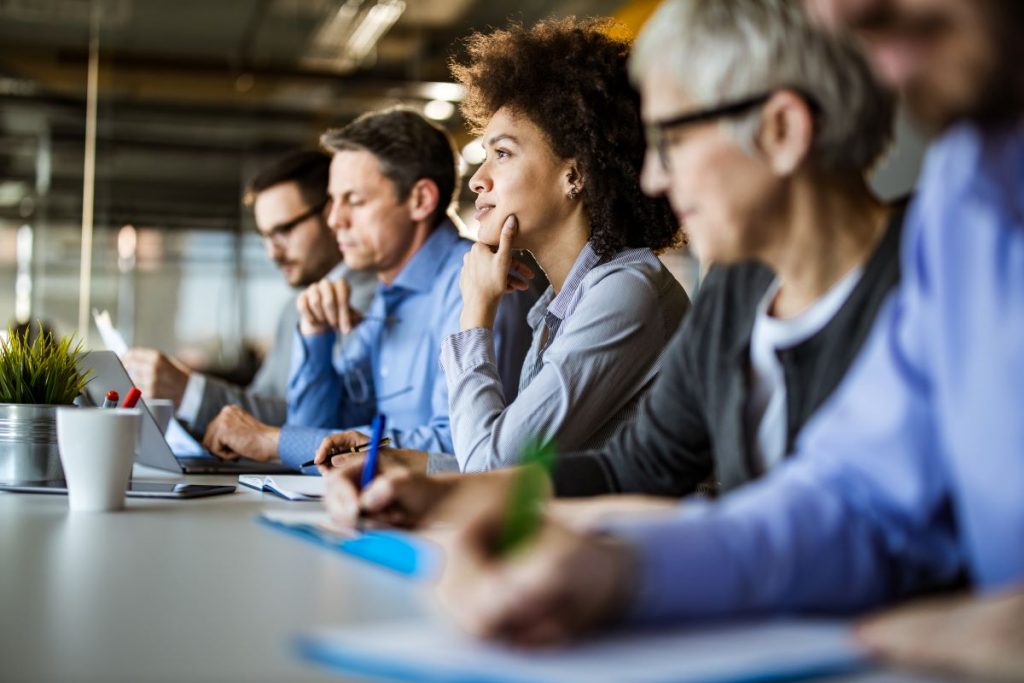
{"type": "Point", "coordinates": [298, 445]}
{"type": "Point", "coordinates": [441, 462]}
{"type": "Point", "coordinates": [192, 398]}
{"type": "Point", "coordinates": [313, 352]}
{"type": "Point", "coordinates": [467, 350]}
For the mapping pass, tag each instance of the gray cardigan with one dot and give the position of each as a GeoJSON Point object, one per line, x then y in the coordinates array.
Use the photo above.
{"type": "Point", "coordinates": [691, 423]}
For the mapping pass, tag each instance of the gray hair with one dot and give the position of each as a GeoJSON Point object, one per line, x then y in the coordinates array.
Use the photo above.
{"type": "Point", "coordinates": [724, 50]}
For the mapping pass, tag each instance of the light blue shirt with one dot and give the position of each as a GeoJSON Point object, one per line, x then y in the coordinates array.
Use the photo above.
{"type": "Point", "coordinates": [390, 362]}
{"type": "Point", "coordinates": [596, 349]}
{"type": "Point", "coordinates": [913, 472]}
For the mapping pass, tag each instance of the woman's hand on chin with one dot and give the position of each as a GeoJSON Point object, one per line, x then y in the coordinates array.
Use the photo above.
{"type": "Point", "coordinates": [487, 275]}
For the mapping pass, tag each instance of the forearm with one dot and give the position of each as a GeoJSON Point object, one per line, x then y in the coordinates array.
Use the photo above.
{"type": "Point", "coordinates": [215, 393]}
{"type": "Point", "coordinates": [298, 445]}
{"type": "Point", "coordinates": [314, 388]}
{"type": "Point", "coordinates": [770, 549]}
{"type": "Point", "coordinates": [476, 402]}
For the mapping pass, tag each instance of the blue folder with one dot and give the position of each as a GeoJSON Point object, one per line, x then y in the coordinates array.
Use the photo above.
{"type": "Point", "coordinates": [398, 551]}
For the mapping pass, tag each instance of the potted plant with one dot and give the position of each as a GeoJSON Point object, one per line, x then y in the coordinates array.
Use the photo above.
{"type": "Point", "coordinates": [36, 377]}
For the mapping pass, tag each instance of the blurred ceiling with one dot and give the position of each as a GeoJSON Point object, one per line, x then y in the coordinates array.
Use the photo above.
{"type": "Point", "coordinates": [196, 94]}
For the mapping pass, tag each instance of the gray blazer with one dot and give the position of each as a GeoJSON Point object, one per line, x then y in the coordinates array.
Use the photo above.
{"type": "Point", "coordinates": [264, 398]}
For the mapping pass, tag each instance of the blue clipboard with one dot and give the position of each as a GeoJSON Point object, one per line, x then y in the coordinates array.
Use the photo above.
{"type": "Point", "coordinates": [397, 551]}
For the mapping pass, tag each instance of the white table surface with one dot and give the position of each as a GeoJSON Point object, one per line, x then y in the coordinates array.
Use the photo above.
{"type": "Point", "coordinates": [174, 590]}
{"type": "Point", "coordinates": [181, 590]}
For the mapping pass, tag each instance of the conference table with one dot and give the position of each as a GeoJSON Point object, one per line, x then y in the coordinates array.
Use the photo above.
{"type": "Point", "coordinates": [183, 590]}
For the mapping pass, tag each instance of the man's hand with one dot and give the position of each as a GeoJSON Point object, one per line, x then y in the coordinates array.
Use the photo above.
{"type": "Point", "coordinates": [324, 306]}
{"type": "Point", "coordinates": [398, 496]}
{"type": "Point", "coordinates": [235, 434]}
{"type": "Point", "coordinates": [559, 585]}
{"type": "Point", "coordinates": [487, 275]}
{"type": "Point", "coordinates": [969, 636]}
{"type": "Point", "coordinates": [157, 375]}
{"type": "Point", "coordinates": [344, 498]}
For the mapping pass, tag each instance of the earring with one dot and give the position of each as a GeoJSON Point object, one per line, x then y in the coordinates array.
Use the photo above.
{"type": "Point", "coordinates": [573, 193]}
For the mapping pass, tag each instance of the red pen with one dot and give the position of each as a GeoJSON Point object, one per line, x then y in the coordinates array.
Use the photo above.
{"type": "Point", "coordinates": [111, 400]}
{"type": "Point", "coordinates": [131, 398]}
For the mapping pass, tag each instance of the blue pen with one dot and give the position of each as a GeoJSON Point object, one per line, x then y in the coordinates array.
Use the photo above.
{"type": "Point", "coordinates": [370, 465]}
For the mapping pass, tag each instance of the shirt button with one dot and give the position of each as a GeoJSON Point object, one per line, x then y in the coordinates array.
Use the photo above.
{"type": "Point", "coordinates": [383, 372]}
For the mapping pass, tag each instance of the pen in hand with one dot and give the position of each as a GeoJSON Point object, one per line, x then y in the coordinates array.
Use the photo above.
{"type": "Point", "coordinates": [523, 513]}
{"type": "Point", "coordinates": [338, 451]}
{"type": "Point", "coordinates": [370, 464]}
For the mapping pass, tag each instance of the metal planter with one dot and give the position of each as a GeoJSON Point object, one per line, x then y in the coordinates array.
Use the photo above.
{"type": "Point", "coordinates": [28, 444]}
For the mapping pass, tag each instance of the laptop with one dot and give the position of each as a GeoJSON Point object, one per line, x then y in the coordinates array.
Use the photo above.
{"type": "Point", "coordinates": [154, 450]}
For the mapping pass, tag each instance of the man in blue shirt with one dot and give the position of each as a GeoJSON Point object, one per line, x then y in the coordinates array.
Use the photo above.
{"type": "Point", "coordinates": [392, 179]}
{"type": "Point", "coordinates": [912, 476]}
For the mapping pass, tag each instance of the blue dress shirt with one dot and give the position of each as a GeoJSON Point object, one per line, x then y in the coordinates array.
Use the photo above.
{"type": "Point", "coordinates": [913, 473]}
{"type": "Point", "coordinates": [390, 362]}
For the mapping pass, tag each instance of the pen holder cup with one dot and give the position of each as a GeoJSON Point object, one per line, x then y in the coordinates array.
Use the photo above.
{"type": "Point", "coordinates": [97, 447]}
{"type": "Point", "coordinates": [28, 444]}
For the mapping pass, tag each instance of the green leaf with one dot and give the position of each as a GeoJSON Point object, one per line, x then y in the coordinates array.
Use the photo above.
{"type": "Point", "coordinates": [43, 372]}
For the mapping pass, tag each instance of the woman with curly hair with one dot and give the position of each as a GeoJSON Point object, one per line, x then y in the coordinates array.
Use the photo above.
{"type": "Point", "coordinates": [564, 141]}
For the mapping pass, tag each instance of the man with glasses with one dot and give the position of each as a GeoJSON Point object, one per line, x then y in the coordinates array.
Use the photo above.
{"type": "Point", "coordinates": [393, 177]}
{"type": "Point", "coordinates": [911, 476]}
{"type": "Point", "coordinates": [288, 199]}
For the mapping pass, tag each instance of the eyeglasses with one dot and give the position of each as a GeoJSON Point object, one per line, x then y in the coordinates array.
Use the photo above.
{"type": "Point", "coordinates": [279, 233]}
{"type": "Point", "coordinates": [656, 132]}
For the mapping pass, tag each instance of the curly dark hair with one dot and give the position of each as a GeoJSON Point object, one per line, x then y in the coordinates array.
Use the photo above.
{"type": "Point", "coordinates": [569, 78]}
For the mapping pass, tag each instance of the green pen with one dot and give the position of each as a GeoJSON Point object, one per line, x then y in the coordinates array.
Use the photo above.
{"type": "Point", "coordinates": [523, 513]}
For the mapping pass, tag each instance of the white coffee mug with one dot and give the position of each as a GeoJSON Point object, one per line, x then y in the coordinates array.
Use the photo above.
{"type": "Point", "coordinates": [97, 447]}
{"type": "Point", "coordinates": [162, 410]}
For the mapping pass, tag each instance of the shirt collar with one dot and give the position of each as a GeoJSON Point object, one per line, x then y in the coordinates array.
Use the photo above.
{"type": "Point", "coordinates": [585, 262]}
{"type": "Point", "coordinates": [337, 272]}
{"type": "Point", "coordinates": [421, 271]}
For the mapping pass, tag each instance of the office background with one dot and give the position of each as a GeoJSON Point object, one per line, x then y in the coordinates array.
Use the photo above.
{"type": "Point", "coordinates": [156, 113]}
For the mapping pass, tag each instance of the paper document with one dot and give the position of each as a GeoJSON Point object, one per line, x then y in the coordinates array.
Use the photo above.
{"type": "Point", "coordinates": [289, 487]}
{"type": "Point", "coordinates": [425, 651]}
{"type": "Point", "coordinates": [181, 442]}
{"type": "Point", "coordinates": [112, 339]}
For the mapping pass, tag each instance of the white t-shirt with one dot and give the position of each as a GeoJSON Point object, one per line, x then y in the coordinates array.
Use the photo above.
{"type": "Point", "coordinates": [765, 414]}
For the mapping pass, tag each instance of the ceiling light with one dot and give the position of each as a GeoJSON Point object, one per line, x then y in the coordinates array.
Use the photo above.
{"type": "Point", "coordinates": [439, 110]}
{"type": "Point", "coordinates": [474, 153]}
{"type": "Point", "coordinates": [375, 24]}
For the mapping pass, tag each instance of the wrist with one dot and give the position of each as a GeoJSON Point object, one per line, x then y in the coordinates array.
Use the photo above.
{"type": "Point", "coordinates": [271, 441]}
{"type": "Point", "coordinates": [478, 314]}
{"type": "Point", "coordinates": [308, 329]}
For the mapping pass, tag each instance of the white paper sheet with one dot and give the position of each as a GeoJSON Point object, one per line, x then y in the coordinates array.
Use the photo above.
{"type": "Point", "coordinates": [292, 487]}
{"type": "Point", "coordinates": [759, 651]}
{"type": "Point", "coordinates": [112, 339]}
{"type": "Point", "coordinates": [181, 442]}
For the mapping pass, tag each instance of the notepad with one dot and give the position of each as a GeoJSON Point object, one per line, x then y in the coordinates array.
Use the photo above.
{"type": "Point", "coordinates": [287, 486]}
{"type": "Point", "coordinates": [392, 549]}
{"type": "Point", "coordinates": [762, 651]}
